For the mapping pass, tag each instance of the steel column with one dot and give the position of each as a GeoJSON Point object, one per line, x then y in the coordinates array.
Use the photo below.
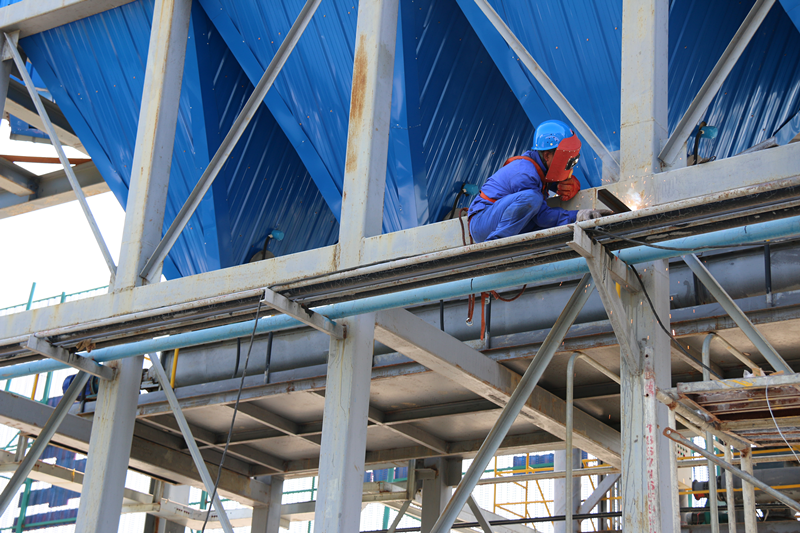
{"type": "Point", "coordinates": [435, 494]}
{"type": "Point", "coordinates": [344, 428]}
{"type": "Point", "coordinates": [644, 86]}
{"type": "Point", "coordinates": [749, 493]}
{"type": "Point", "coordinates": [41, 442]}
{"type": "Point", "coordinates": [512, 409]}
{"type": "Point", "coordinates": [152, 267]}
{"type": "Point", "coordinates": [155, 137]}
{"type": "Point", "coordinates": [646, 458]}
{"type": "Point", "coordinates": [736, 314]}
{"type": "Point", "coordinates": [10, 47]}
{"type": "Point", "coordinates": [713, 502]}
{"type": "Point", "coordinates": [368, 130]}
{"type": "Point", "coordinates": [110, 448]}
{"type": "Point", "coordinates": [730, 500]}
{"type": "Point", "coordinates": [715, 80]}
{"type": "Point", "coordinates": [268, 519]}
{"type": "Point", "coordinates": [199, 462]}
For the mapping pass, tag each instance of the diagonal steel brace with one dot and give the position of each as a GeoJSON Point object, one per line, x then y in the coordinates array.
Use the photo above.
{"type": "Point", "coordinates": [308, 317]}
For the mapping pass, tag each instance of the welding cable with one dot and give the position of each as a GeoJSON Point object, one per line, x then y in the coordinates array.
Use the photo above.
{"type": "Point", "coordinates": [674, 340]}
{"type": "Point", "coordinates": [670, 248]}
{"type": "Point", "coordinates": [766, 391]}
{"type": "Point", "coordinates": [233, 418]}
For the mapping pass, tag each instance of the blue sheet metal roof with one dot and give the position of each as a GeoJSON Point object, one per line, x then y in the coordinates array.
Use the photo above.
{"type": "Point", "coordinates": [461, 103]}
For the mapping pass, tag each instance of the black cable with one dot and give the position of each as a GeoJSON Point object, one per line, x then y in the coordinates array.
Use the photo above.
{"type": "Point", "coordinates": [658, 318]}
{"type": "Point", "coordinates": [269, 357]}
{"type": "Point", "coordinates": [692, 250]}
{"type": "Point", "coordinates": [233, 420]}
{"type": "Point", "coordinates": [238, 357]}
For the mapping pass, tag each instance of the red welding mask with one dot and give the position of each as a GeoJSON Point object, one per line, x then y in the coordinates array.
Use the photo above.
{"type": "Point", "coordinates": [564, 160]}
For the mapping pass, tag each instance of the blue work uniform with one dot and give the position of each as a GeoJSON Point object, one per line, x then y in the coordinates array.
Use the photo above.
{"type": "Point", "coordinates": [520, 204]}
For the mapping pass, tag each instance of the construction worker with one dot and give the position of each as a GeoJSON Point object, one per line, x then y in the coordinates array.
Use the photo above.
{"type": "Point", "coordinates": [514, 199]}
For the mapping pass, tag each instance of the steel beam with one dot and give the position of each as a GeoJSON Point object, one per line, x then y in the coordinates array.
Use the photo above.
{"type": "Point", "coordinates": [644, 123]}
{"type": "Point", "coordinates": [35, 16]}
{"type": "Point", "coordinates": [435, 494]}
{"type": "Point", "coordinates": [53, 189]}
{"type": "Point", "coordinates": [368, 129]}
{"type": "Point", "coordinates": [155, 137]}
{"type": "Point", "coordinates": [409, 431]}
{"type": "Point", "coordinates": [267, 519]}
{"type": "Point", "coordinates": [43, 440]}
{"type": "Point", "coordinates": [303, 314]}
{"type": "Point", "coordinates": [598, 493]}
{"type": "Point", "coordinates": [715, 80]}
{"type": "Point", "coordinates": [276, 422]}
{"type": "Point", "coordinates": [83, 364]}
{"type": "Point", "coordinates": [199, 462]}
{"type": "Point", "coordinates": [16, 179]}
{"type": "Point", "coordinates": [747, 327]}
{"type": "Point", "coordinates": [456, 361]}
{"type": "Point", "coordinates": [344, 427]}
{"type": "Point", "coordinates": [152, 267]}
{"type": "Point", "coordinates": [609, 161]}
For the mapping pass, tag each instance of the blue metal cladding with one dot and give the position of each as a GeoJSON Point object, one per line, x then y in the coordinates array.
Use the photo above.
{"type": "Point", "coordinates": [462, 103]}
{"type": "Point", "coordinates": [95, 67]}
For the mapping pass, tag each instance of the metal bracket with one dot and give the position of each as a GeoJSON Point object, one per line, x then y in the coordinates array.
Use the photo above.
{"type": "Point", "coordinates": [607, 272]}
{"type": "Point", "coordinates": [42, 347]}
{"type": "Point", "coordinates": [317, 321]}
{"type": "Point", "coordinates": [12, 39]}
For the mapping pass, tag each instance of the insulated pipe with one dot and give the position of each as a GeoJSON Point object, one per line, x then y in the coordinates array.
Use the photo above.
{"type": "Point", "coordinates": [569, 419]}
{"type": "Point", "coordinates": [519, 397]}
{"type": "Point", "coordinates": [788, 227]}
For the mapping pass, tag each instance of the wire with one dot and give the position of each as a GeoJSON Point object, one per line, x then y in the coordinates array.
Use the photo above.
{"type": "Point", "coordinates": [766, 390]}
{"type": "Point", "coordinates": [653, 308]}
{"type": "Point", "coordinates": [233, 419]}
{"type": "Point", "coordinates": [651, 245]}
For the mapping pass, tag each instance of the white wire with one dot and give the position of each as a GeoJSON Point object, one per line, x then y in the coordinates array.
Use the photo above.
{"type": "Point", "coordinates": [766, 390]}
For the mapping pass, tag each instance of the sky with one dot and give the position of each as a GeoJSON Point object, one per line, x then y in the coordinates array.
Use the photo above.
{"type": "Point", "coordinates": [54, 247]}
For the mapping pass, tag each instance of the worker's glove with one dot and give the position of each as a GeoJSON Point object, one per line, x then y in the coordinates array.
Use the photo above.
{"type": "Point", "coordinates": [568, 188]}
{"type": "Point", "coordinates": [591, 214]}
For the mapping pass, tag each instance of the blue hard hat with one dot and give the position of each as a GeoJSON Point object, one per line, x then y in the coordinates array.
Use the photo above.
{"type": "Point", "coordinates": [549, 133]}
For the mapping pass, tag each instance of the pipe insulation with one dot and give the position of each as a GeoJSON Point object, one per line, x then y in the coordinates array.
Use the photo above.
{"type": "Point", "coordinates": [778, 229]}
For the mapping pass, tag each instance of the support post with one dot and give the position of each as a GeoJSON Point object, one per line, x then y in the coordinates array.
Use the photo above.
{"type": "Point", "coordinates": [749, 494]}
{"type": "Point", "coordinates": [344, 428]}
{"type": "Point", "coordinates": [110, 448]}
{"type": "Point", "coordinates": [730, 500]}
{"type": "Point", "coordinates": [713, 500]}
{"type": "Point", "coordinates": [268, 519]}
{"type": "Point", "coordinates": [435, 494]}
{"type": "Point", "coordinates": [368, 131]}
{"type": "Point", "coordinates": [644, 86]}
{"type": "Point", "coordinates": [566, 490]}
{"type": "Point", "coordinates": [155, 137]}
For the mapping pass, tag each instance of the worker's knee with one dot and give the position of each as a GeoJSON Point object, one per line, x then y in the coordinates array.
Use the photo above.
{"type": "Point", "coordinates": [525, 204]}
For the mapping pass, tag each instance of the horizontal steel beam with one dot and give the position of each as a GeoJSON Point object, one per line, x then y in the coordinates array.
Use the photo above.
{"type": "Point", "coordinates": [19, 104]}
{"type": "Point", "coordinates": [84, 364]}
{"type": "Point", "coordinates": [16, 179]}
{"type": "Point", "coordinates": [35, 16]}
{"type": "Point", "coordinates": [53, 189]}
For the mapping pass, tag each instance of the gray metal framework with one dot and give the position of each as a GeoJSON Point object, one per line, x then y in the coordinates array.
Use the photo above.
{"type": "Point", "coordinates": [387, 386]}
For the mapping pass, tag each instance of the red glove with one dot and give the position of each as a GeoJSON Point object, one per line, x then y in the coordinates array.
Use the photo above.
{"type": "Point", "coordinates": [568, 188]}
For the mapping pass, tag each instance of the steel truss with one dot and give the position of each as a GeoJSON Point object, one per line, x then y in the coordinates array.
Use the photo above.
{"type": "Point", "coordinates": [686, 202]}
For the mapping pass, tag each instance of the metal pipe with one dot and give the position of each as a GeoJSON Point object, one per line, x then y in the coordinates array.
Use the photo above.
{"type": "Point", "coordinates": [560, 474]}
{"type": "Point", "coordinates": [712, 474]}
{"type": "Point", "coordinates": [229, 142]}
{"type": "Point", "coordinates": [749, 477]}
{"type": "Point", "coordinates": [537, 274]}
{"type": "Point", "coordinates": [738, 355]}
{"type": "Point", "coordinates": [41, 442]}
{"type": "Point", "coordinates": [510, 412]}
{"type": "Point", "coordinates": [199, 462]}
{"type": "Point", "coordinates": [715, 80]}
{"type": "Point", "coordinates": [174, 367]}
{"type": "Point", "coordinates": [768, 273]}
{"type": "Point", "coordinates": [693, 417]}
{"type": "Point", "coordinates": [736, 314]}
{"type": "Point", "coordinates": [569, 420]}
{"type": "Point", "coordinates": [550, 88]}
{"type": "Point", "coordinates": [51, 132]}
